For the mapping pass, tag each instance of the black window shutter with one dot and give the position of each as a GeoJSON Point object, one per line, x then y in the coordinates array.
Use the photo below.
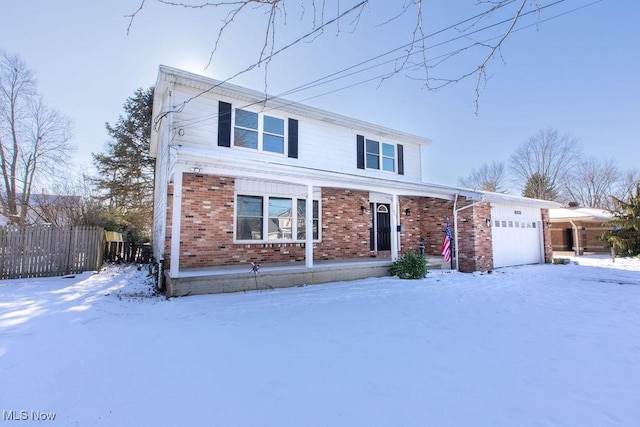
{"type": "Point", "coordinates": [293, 138]}
{"type": "Point", "coordinates": [400, 159]}
{"type": "Point", "coordinates": [360, 144]}
{"type": "Point", "coordinates": [224, 124]}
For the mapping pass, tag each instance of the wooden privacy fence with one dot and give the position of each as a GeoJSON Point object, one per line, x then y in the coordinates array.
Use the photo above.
{"type": "Point", "coordinates": [40, 250]}
{"type": "Point", "coordinates": [117, 250]}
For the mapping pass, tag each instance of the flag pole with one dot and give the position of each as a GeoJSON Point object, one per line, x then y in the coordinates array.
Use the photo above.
{"type": "Point", "coordinates": [453, 247]}
{"type": "Point", "coordinates": [447, 250]}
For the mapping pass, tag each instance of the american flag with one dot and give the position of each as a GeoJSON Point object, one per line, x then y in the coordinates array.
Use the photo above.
{"type": "Point", "coordinates": [445, 250]}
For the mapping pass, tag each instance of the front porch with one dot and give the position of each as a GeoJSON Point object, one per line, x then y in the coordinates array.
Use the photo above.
{"type": "Point", "coordinates": [225, 279]}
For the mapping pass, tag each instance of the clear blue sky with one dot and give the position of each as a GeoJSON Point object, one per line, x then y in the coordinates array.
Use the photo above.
{"type": "Point", "coordinates": [577, 73]}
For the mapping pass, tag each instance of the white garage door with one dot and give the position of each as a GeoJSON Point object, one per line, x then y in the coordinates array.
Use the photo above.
{"type": "Point", "coordinates": [516, 235]}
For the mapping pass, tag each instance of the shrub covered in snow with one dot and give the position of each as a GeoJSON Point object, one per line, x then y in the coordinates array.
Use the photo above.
{"type": "Point", "coordinates": [409, 266]}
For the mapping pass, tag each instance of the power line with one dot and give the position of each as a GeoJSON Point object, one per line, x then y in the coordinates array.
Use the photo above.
{"type": "Point", "coordinates": [336, 75]}
{"type": "Point", "coordinates": [261, 60]}
{"type": "Point", "coordinates": [316, 82]}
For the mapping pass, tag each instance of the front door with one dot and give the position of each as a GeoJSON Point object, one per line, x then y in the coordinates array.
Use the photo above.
{"type": "Point", "coordinates": [380, 227]}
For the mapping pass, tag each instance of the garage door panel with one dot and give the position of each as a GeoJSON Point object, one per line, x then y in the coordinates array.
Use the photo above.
{"type": "Point", "coordinates": [516, 235]}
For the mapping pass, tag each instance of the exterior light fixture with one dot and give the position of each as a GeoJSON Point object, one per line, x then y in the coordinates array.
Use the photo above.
{"type": "Point", "coordinates": [363, 210]}
{"type": "Point", "coordinates": [488, 221]}
{"type": "Point", "coordinates": [407, 212]}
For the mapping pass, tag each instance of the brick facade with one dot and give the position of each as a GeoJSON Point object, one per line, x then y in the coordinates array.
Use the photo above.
{"type": "Point", "coordinates": [345, 229]}
{"type": "Point", "coordinates": [589, 233]}
{"type": "Point", "coordinates": [207, 221]}
{"type": "Point", "coordinates": [548, 243]}
{"type": "Point", "coordinates": [169, 227]}
{"type": "Point", "coordinates": [427, 220]}
{"type": "Point", "coordinates": [475, 248]}
{"type": "Point", "coordinates": [206, 230]}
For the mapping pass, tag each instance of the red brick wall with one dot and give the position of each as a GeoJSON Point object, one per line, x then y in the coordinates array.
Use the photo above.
{"type": "Point", "coordinates": [167, 237]}
{"type": "Point", "coordinates": [592, 232]}
{"type": "Point", "coordinates": [548, 243]}
{"type": "Point", "coordinates": [345, 230]}
{"type": "Point", "coordinates": [207, 228]}
{"type": "Point", "coordinates": [412, 224]}
{"type": "Point", "coordinates": [474, 238]}
{"type": "Point", "coordinates": [427, 220]}
{"type": "Point", "coordinates": [206, 236]}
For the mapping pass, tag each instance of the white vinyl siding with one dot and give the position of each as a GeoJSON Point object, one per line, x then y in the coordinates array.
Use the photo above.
{"type": "Point", "coordinates": [197, 123]}
{"type": "Point", "coordinates": [321, 145]}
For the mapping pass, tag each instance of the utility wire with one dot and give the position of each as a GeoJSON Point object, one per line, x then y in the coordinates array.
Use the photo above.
{"type": "Point", "coordinates": [316, 82]}
{"type": "Point", "coordinates": [265, 59]}
{"type": "Point", "coordinates": [336, 75]}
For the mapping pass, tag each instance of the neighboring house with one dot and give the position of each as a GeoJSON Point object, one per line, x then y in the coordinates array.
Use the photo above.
{"type": "Point", "coordinates": [53, 209]}
{"type": "Point", "coordinates": [578, 230]}
{"type": "Point", "coordinates": [311, 195]}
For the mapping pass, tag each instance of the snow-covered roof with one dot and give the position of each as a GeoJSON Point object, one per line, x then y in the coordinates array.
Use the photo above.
{"type": "Point", "coordinates": [517, 200]}
{"type": "Point", "coordinates": [579, 214]}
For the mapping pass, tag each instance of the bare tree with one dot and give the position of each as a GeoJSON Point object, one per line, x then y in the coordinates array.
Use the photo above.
{"type": "Point", "coordinates": [68, 201]}
{"type": "Point", "coordinates": [411, 57]}
{"type": "Point", "coordinates": [543, 164]}
{"type": "Point", "coordinates": [593, 183]}
{"type": "Point", "coordinates": [34, 139]}
{"type": "Point", "coordinates": [627, 184]}
{"type": "Point", "coordinates": [489, 177]}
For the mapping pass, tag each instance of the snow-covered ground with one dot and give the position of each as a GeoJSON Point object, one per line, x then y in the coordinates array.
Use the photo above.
{"type": "Point", "coordinates": [545, 345]}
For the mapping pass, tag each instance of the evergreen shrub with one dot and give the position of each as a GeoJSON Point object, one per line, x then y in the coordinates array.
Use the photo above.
{"type": "Point", "coordinates": [409, 266]}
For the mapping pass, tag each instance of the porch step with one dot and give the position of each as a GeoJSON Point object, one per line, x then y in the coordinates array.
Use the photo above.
{"type": "Point", "coordinates": [437, 263]}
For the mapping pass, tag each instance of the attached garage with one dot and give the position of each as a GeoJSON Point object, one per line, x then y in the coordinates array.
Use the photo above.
{"type": "Point", "coordinates": [517, 235]}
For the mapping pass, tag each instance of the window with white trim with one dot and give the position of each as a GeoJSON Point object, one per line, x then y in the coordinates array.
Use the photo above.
{"type": "Point", "coordinates": [302, 209]}
{"type": "Point", "coordinates": [249, 218]}
{"type": "Point", "coordinates": [258, 131]}
{"type": "Point", "coordinates": [380, 155]}
{"type": "Point", "coordinates": [274, 219]}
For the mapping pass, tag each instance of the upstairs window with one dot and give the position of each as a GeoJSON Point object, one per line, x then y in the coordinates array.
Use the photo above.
{"type": "Point", "coordinates": [258, 131]}
{"type": "Point", "coordinates": [254, 131]}
{"type": "Point", "coordinates": [380, 156]}
{"type": "Point", "coordinates": [246, 129]}
{"type": "Point", "coordinates": [273, 135]}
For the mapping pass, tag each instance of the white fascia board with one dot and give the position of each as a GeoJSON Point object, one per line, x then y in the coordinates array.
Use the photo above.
{"type": "Point", "coordinates": [580, 214]}
{"type": "Point", "coordinates": [209, 163]}
{"type": "Point", "coordinates": [229, 90]}
{"type": "Point", "coordinates": [501, 198]}
{"type": "Point", "coordinates": [159, 91]}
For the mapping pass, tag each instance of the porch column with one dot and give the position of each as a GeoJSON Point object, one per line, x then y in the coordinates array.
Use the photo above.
{"type": "Point", "coordinates": [176, 216]}
{"type": "Point", "coordinates": [308, 220]}
{"type": "Point", "coordinates": [394, 227]}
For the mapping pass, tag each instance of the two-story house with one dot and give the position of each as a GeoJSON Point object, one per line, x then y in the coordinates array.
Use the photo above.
{"type": "Point", "coordinates": [311, 195]}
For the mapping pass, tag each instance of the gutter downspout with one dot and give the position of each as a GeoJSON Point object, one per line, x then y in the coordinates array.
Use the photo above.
{"type": "Point", "coordinates": [455, 230]}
